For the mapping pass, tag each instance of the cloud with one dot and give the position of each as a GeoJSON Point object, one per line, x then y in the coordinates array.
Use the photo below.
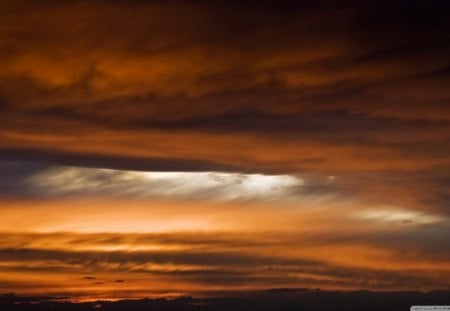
{"type": "Point", "coordinates": [75, 181]}
{"type": "Point", "coordinates": [229, 267]}
{"type": "Point", "coordinates": [109, 108]}
{"type": "Point", "coordinates": [418, 192]}
{"type": "Point", "coordinates": [89, 278]}
{"type": "Point", "coordinates": [322, 73]}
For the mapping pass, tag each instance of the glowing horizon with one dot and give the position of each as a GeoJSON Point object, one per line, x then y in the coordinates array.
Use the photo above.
{"type": "Point", "coordinates": [111, 233]}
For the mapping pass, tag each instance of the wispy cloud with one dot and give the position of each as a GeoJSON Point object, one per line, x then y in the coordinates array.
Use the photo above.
{"type": "Point", "coordinates": [76, 181]}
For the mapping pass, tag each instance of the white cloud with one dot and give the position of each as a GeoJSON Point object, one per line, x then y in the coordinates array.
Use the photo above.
{"type": "Point", "coordinates": [164, 185]}
{"type": "Point", "coordinates": [398, 216]}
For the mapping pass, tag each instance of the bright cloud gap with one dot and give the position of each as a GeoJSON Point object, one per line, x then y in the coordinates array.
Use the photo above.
{"type": "Point", "coordinates": [218, 186]}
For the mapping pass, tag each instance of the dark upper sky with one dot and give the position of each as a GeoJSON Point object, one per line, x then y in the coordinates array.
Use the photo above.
{"type": "Point", "coordinates": [350, 85]}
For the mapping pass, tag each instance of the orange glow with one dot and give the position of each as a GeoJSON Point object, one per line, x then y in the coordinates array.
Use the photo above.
{"type": "Point", "coordinates": [170, 245]}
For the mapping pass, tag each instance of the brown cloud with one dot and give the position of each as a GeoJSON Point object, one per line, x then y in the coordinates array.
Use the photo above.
{"type": "Point", "coordinates": [301, 79]}
{"type": "Point", "coordinates": [223, 261]}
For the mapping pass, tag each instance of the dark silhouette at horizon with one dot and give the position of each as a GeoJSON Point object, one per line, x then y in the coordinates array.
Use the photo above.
{"type": "Point", "coordinates": [271, 299]}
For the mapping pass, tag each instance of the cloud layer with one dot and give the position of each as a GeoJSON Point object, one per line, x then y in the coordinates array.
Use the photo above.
{"type": "Point", "coordinates": [222, 145]}
{"type": "Point", "coordinates": [302, 86]}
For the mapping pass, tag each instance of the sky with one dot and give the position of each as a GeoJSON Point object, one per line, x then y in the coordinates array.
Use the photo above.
{"type": "Point", "coordinates": [165, 148]}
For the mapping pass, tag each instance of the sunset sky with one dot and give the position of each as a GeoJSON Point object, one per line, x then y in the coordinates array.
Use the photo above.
{"type": "Point", "coordinates": [165, 148]}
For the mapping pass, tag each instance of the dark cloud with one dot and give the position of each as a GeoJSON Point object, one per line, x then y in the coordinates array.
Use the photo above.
{"type": "Point", "coordinates": [213, 258]}
{"type": "Point", "coordinates": [239, 259]}
{"type": "Point", "coordinates": [89, 278]}
{"type": "Point", "coordinates": [272, 57]}
{"type": "Point", "coordinates": [353, 74]}
{"type": "Point", "coordinates": [14, 174]}
{"type": "Point", "coordinates": [21, 162]}
{"type": "Point", "coordinates": [228, 269]}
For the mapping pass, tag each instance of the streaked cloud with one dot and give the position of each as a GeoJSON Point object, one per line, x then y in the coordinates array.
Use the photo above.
{"type": "Point", "coordinates": [309, 87]}
{"type": "Point", "coordinates": [210, 262]}
{"type": "Point", "coordinates": [398, 216]}
{"type": "Point", "coordinates": [66, 181]}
